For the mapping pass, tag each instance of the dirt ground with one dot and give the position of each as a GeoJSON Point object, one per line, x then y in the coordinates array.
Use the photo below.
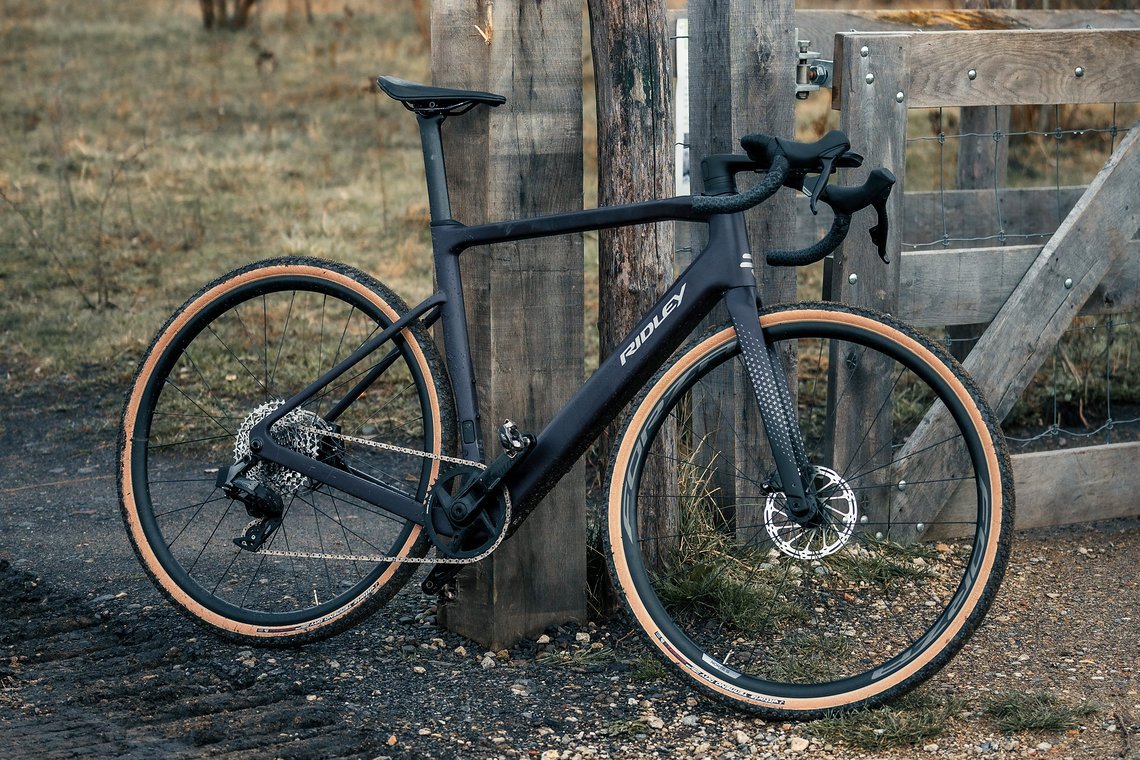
{"type": "Point", "coordinates": [93, 663]}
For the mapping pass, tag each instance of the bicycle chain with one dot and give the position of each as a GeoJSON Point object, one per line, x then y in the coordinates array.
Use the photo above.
{"type": "Point", "coordinates": [437, 560]}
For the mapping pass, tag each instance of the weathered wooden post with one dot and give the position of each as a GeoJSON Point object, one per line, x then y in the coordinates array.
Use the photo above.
{"type": "Point", "coordinates": [742, 59]}
{"type": "Point", "coordinates": [635, 162]}
{"type": "Point", "coordinates": [982, 164]}
{"type": "Point", "coordinates": [872, 91]}
{"type": "Point", "coordinates": [523, 158]}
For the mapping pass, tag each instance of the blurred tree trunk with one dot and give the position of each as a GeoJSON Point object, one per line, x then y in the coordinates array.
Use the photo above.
{"type": "Point", "coordinates": [215, 14]}
{"type": "Point", "coordinates": [635, 162]}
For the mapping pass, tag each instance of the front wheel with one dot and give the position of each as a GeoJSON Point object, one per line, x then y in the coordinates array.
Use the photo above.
{"type": "Point", "coordinates": [798, 617]}
{"type": "Point", "coordinates": [226, 359]}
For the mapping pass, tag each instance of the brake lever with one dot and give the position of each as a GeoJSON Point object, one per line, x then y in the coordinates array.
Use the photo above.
{"type": "Point", "coordinates": [828, 164]}
{"type": "Point", "coordinates": [879, 231]}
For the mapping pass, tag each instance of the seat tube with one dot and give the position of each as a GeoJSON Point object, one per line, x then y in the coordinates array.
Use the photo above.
{"type": "Point", "coordinates": [770, 389]}
{"type": "Point", "coordinates": [456, 342]}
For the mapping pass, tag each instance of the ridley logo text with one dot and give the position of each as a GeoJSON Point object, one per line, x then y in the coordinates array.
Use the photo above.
{"type": "Point", "coordinates": [647, 331]}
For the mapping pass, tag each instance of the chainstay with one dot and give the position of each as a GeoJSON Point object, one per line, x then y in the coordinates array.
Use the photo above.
{"type": "Point", "coordinates": [437, 560]}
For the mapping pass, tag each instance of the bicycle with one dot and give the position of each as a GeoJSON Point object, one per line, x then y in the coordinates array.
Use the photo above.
{"type": "Point", "coordinates": [293, 445]}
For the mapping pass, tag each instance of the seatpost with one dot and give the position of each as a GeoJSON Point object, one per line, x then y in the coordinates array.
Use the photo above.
{"type": "Point", "coordinates": [438, 200]}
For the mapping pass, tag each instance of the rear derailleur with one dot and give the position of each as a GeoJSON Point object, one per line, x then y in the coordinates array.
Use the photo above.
{"type": "Point", "coordinates": [262, 503]}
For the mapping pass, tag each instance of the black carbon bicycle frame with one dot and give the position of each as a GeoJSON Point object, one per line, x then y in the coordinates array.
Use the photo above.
{"type": "Point", "coordinates": [722, 272]}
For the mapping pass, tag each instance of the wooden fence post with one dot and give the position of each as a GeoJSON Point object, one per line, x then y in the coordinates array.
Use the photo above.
{"type": "Point", "coordinates": [982, 164]}
{"type": "Point", "coordinates": [523, 158]}
{"type": "Point", "coordinates": [871, 90]}
{"type": "Point", "coordinates": [742, 58]}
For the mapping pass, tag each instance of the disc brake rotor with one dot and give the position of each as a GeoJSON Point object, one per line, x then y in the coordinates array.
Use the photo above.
{"type": "Point", "coordinates": [840, 512]}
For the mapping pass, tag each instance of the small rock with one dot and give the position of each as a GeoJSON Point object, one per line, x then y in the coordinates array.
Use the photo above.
{"type": "Point", "coordinates": [742, 738]}
{"type": "Point", "coordinates": [654, 722]}
{"type": "Point", "coordinates": [488, 662]}
{"type": "Point", "coordinates": [550, 754]}
{"type": "Point", "coordinates": [419, 669]}
{"type": "Point", "coordinates": [930, 748]}
{"type": "Point", "coordinates": [582, 637]}
{"type": "Point", "coordinates": [543, 639]}
{"type": "Point", "coordinates": [798, 744]}
{"type": "Point", "coordinates": [689, 719]}
{"type": "Point", "coordinates": [392, 740]}
{"type": "Point", "coordinates": [461, 650]}
{"type": "Point", "coordinates": [1044, 746]}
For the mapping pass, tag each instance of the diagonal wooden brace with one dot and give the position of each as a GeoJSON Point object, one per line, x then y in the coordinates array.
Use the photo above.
{"type": "Point", "coordinates": [1025, 331]}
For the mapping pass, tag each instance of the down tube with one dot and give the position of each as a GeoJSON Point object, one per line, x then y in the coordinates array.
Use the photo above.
{"type": "Point", "coordinates": [622, 375]}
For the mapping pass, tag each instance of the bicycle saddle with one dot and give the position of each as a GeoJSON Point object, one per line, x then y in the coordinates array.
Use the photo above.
{"type": "Point", "coordinates": [427, 100]}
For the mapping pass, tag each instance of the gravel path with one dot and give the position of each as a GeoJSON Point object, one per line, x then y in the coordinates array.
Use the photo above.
{"type": "Point", "coordinates": [93, 663]}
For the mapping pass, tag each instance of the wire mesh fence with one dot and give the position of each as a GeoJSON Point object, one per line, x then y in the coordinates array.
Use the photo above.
{"type": "Point", "coordinates": [1033, 167]}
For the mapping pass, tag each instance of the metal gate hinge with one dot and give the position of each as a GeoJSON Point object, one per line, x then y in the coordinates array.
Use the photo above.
{"type": "Point", "coordinates": [812, 72]}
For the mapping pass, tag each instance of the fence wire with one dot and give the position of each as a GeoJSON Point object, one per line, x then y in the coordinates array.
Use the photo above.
{"type": "Point", "coordinates": [1089, 391]}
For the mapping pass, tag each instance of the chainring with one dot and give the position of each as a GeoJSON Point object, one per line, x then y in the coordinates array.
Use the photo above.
{"type": "Point", "coordinates": [482, 533]}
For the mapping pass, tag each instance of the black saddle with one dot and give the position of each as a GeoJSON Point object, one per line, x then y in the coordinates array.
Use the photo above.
{"type": "Point", "coordinates": [430, 101]}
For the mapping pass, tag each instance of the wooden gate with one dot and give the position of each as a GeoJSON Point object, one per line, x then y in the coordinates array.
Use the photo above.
{"type": "Point", "coordinates": [1029, 294]}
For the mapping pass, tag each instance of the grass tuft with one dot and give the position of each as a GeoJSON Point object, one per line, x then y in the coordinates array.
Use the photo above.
{"type": "Point", "coordinates": [648, 669]}
{"type": "Point", "coordinates": [909, 720]}
{"type": "Point", "coordinates": [1035, 710]}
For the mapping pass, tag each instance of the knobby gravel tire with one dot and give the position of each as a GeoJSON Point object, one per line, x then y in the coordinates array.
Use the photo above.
{"type": "Point", "coordinates": [238, 347]}
{"type": "Point", "coordinates": [795, 621]}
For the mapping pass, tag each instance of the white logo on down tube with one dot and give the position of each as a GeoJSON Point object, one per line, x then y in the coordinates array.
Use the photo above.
{"type": "Point", "coordinates": [647, 331]}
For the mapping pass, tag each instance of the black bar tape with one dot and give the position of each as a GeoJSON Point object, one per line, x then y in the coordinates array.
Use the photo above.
{"type": "Point", "coordinates": [753, 196]}
{"type": "Point", "coordinates": [813, 253]}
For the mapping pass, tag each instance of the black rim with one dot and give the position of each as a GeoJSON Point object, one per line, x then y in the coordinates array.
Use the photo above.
{"type": "Point", "coordinates": [272, 284]}
{"type": "Point", "coordinates": [682, 643]}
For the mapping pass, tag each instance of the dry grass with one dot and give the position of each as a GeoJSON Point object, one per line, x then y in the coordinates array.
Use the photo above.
{"type": "Point", "coordinates": [141, 156]}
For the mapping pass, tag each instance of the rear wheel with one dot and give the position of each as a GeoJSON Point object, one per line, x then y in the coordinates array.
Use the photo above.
{"type": "Point", "coordinates": [792, 617]}
{"type": "Point", "coordinates": [230, 356]}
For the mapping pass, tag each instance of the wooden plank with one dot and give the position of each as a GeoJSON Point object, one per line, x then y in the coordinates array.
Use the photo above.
{"type": "Point", "coordinates": [1022, 67]}
{"type": "Point", "coordinates": [970, 285]}
{"type": "Point", "coordinates": [981, 163]}
{"type": "Point", "coordinates": [1024, 331]}
{"type": "Point", "coordinates": [820, 26]}
{"type": "Point", "coordinates": [1012, 68]}
{"type": "Point", "coordinates": [742, 61]}
{"type": "Point", "coordinates": [1059, 488]}
{"type": "Point", "coordinates": [524, 158]}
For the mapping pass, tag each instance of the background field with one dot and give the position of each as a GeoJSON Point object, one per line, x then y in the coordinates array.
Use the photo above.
{"type": "Point", "coordinates": [141, 157]}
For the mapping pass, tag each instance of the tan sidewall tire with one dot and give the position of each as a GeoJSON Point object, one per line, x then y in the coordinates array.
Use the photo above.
{"type": "Point", "coordinates": [996, 547]}
{"type": "Point", "coordinates": [413, 544]}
